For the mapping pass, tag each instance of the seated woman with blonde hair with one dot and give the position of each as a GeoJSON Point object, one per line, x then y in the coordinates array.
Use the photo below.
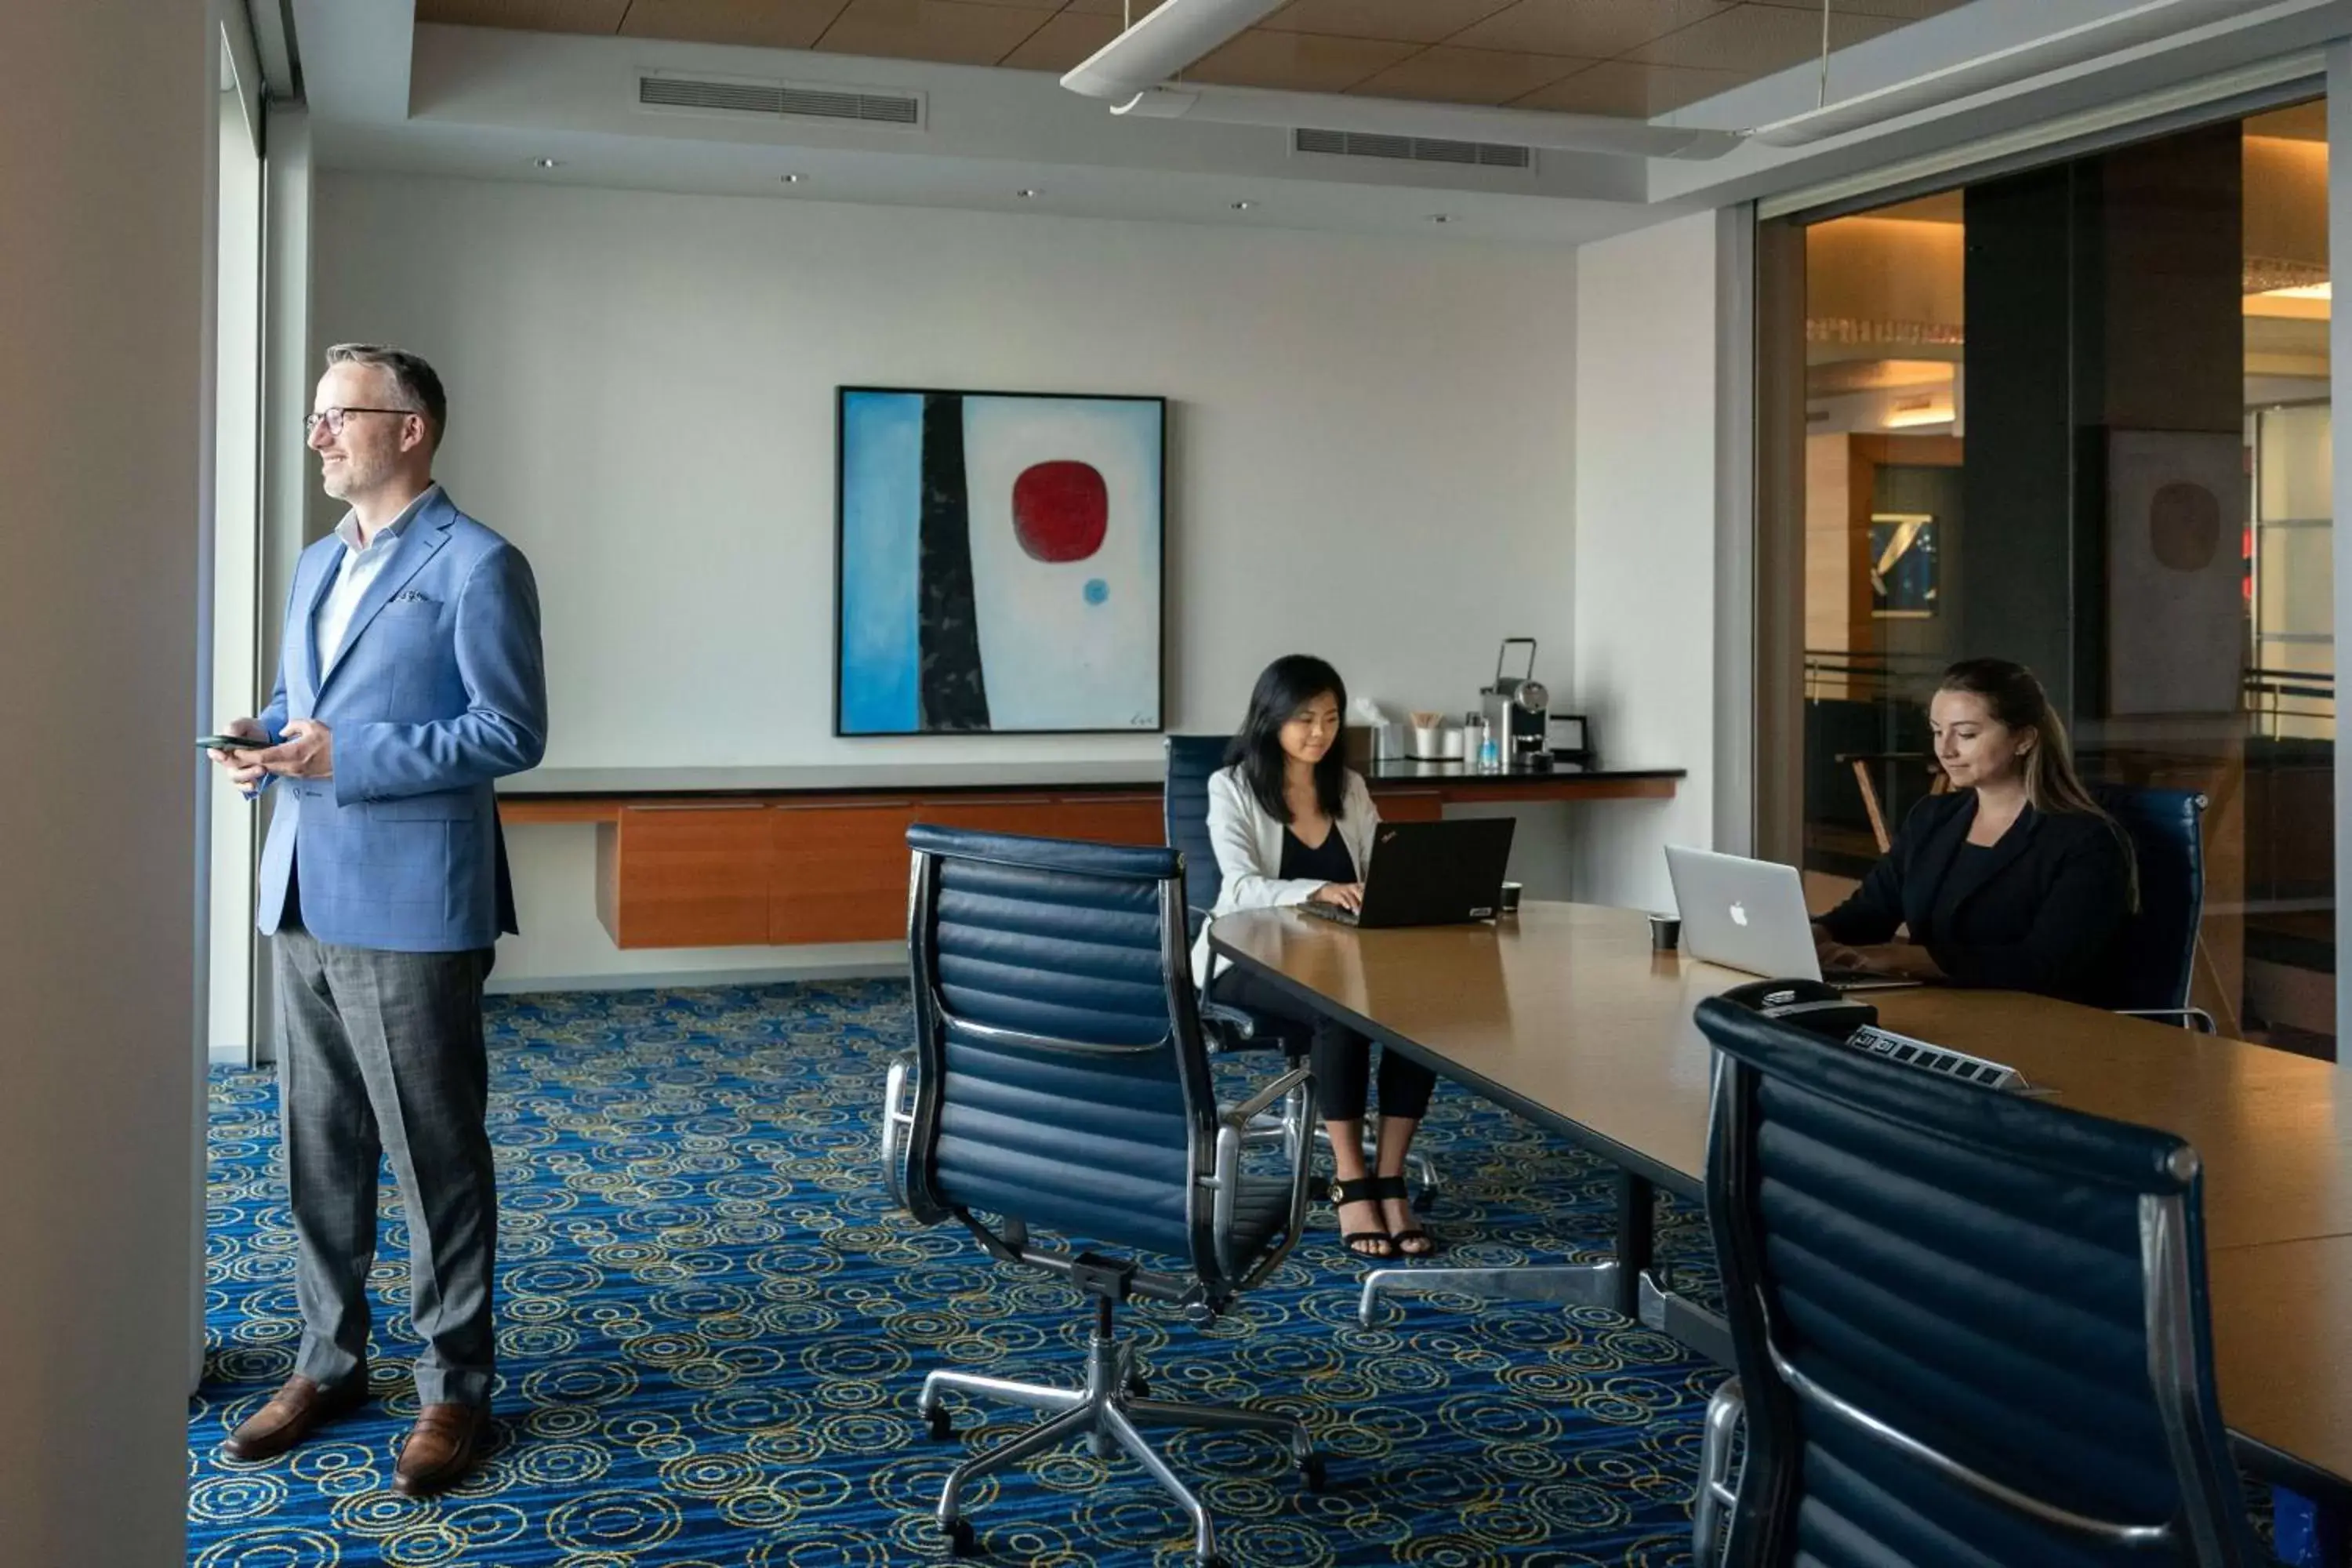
{"type": "Point", "coordinates": [2016, 879]}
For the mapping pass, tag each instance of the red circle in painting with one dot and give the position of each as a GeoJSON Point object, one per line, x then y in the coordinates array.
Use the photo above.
{"type": "Point", "coordinates": [1060, 509]}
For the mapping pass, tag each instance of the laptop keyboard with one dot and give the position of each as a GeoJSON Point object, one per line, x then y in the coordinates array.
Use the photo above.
{"type": "Point", "coordinates": [1345, 916]}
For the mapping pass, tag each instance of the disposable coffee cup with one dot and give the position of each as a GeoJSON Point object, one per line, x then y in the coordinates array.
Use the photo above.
{"type": "Point", "coordinates": [1510, 897]}
{"type": "Point", "coordinates": [1666, 932]}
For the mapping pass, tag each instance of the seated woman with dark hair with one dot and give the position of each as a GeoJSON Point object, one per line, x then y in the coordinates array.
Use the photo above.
{"type": "Point", "coordinates": [1292, 823]}
{"type": "Point", "coordinates": [2015, 880]}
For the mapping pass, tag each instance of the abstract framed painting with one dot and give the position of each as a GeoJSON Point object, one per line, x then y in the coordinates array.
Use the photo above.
{"type": "Point", "coordinates": [1000, 563]}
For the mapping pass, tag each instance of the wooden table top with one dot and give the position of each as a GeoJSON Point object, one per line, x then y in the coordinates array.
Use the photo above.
{"type": "Point", "coordinates": [1565, 1014]}
{"type": "Point", "coordinates": [2282, 1357]}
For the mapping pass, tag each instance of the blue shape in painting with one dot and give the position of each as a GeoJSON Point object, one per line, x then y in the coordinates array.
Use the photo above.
{"type": "Point", "coordinates": [881, 473]}
{"type": "Point", "coordinates": [1097, 590]}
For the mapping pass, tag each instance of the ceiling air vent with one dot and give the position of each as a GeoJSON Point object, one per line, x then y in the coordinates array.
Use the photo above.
{"type": "Point", "coordinates": [779, 99]}
{"type": "Point", "coordinates": [1413, 149]}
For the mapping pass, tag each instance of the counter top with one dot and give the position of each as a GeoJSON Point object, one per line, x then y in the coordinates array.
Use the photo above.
{"type": "Point", "coordinates": [1143, 773]}
{"type": "Point", "coordinates": [948, 777]}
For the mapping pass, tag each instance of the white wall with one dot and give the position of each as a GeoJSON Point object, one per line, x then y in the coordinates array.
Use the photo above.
{"type": "Point", "coordinates": [103, 511]}
{"type": "Point", "coordinates": [1371, 452]}
{"type": "Point", "coordinates": [1645, 541]}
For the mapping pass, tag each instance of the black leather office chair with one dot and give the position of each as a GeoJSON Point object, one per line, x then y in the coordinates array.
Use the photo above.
{"type": "Point", "coordinates": [2166, 829]}
{"type": "Point", "coordinates": [1970, 1327]}
{"type": "Point", "coordinates": [1060, 1083]}
{"type": "Point", "coordinates": [1184, 810]}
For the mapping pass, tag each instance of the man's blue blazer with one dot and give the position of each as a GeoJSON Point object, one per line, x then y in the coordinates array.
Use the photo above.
{"type": "Point", "coordinates": [439, 689]}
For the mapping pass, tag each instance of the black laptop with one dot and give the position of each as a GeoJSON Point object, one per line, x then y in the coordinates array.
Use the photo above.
{"type": "Point", "coordinates": [1431, 874]}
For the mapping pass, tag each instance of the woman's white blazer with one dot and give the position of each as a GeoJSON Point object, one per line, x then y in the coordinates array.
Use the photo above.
{"type": "Point", "coordinates": [1248, 842]}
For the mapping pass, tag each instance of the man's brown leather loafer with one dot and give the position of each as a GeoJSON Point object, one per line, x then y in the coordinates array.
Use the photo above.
{"type": "Point", "coordinates": [297, 1407]}
{"type": "Point", "coordinates": [441, 1449]}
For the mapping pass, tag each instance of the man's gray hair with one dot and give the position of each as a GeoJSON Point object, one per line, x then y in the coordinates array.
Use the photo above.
{"type": "Point", "coordinates": [418, 386]}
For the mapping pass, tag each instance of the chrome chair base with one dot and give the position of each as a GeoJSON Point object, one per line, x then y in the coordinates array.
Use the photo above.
{"type": "Point", "coordinates": [1560, 1284]}
{"type": "Point", "coordinates": [1110, 1410]}
{"type": "Point", "coordinates": [1712, 1504]}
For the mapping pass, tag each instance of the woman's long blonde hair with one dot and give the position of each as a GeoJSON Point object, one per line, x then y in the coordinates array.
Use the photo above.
{"type": "Point", "coordinates": [2017, 701]}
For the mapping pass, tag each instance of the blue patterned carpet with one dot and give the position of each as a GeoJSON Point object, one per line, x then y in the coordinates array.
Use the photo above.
{"type": "Point", "coordinates": [713, 1325]}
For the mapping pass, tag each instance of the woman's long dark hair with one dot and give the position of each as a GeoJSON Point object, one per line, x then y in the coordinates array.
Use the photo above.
{"type": "Point", "coordinates": [2017, 701]}
{"type": "Point", "coordinates": [1289, 684]}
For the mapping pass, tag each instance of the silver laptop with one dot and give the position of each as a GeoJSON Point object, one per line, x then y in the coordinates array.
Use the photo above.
{"type": "Point", "coordinates": [1751, 914]}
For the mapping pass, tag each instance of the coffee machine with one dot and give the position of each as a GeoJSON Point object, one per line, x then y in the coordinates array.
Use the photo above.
{"type": "Point", "coordinates": [1515, 707]}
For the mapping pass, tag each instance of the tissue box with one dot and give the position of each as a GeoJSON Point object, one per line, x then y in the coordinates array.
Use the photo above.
{"type": "Point", "coordinates": [1357, 741]}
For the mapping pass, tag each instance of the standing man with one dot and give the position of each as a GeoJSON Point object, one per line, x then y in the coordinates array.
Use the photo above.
{"type": "Point", "coordinates": [409, 678]}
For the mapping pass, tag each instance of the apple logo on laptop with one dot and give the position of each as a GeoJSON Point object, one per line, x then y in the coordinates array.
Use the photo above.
{"type": "Point", "coordinates": [1739, 914]}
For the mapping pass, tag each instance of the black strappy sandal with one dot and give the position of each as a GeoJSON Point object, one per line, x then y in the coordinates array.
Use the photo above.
{"type": "Point", "coordinates": [1364, 1190]}
{"type": "Point", "coordinates": [1386, 1188]}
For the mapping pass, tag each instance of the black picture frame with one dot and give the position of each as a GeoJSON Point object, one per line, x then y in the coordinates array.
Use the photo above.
{"type": "Point", "coordinates": [841, 394]}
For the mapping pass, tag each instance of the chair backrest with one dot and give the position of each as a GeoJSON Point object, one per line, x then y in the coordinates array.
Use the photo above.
{"type": "Point", "coordinates": [1970, 1326]}
{"type": "Point", "coordinates": [1184, 807]}
{"type": "Point", "coordinates": [2158, 955]}
{"type": "Point", "coordinates": [1062, 1081]}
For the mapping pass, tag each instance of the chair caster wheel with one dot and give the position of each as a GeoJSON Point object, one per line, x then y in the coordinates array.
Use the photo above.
{"type": "Point", "coordinates": [940, 1426]}
{"type": "Point", "coordinates": [962, 1540]}
{"type": "Point", "coordinates": [1214, 1562]}
{"type": "Point", "coordinates": [1139, 1387]}
{"type": "Point", "coordinates": [1311, 1474]}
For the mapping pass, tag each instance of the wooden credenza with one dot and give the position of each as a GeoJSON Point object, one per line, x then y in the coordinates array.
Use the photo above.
{"type": "Point", "coordinates": [820, 854]}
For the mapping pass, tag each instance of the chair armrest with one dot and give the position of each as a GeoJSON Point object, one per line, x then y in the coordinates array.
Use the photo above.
{"type": "Point", "coordinates": [1225, 1181]}
{"type": "Point", "coordinates": [1238, 1117]}
{"type": "Point", "coordinates": [2195, 1019]}
{"type": "Point", "coordinates": [897, 1128]}
{"type": "Point", "coordinates": [1230, 1022]}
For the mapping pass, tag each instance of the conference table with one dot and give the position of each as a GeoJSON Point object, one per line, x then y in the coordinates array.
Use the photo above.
{"type": "Point", "coordinates": [1564, 1014]}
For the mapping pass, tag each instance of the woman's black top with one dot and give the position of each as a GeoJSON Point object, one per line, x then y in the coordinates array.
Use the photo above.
{"type": "Point", "coordinates": [1326, 862]}
{"type": "Point", "coordinates": [2041, 910]}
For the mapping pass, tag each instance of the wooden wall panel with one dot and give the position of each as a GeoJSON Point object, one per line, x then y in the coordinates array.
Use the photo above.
{"type": "Point", "coordinates": [838, 870]}
{"type": "Point", "coordinates": [690, 875]}
{"type": "Point", "coordinates": [1410, 806]}
{"type": "Point", "coordinates": [786, 869]}
{"type": "Point", "coordinates": [1110, 818]}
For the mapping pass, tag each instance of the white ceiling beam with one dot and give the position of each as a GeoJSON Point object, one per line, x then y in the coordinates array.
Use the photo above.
{"type": "Point", "coordinates": [1402, 117]}
{"type": "Point", "coordinates": [1154, 49]}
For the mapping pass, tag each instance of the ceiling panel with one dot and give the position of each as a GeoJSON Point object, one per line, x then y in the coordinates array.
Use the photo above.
{"type": "Point", "coordinates": [1449, 74]}
{"type": "Point", "coordinates": [1593, 29]}
{"type": "Point", "coordinates": [530, 15]}
{"type": "Point", "coordinates": [766, 24]}
{"type": "Point", "coordinates": [1624, 88]}
{"type": "Point", "coordinates": [1636, 57]}
{"type": "Point", "coordinates": [956, 32]}
{"type": "Point", "coordinates": [1064, 41]}
{"type": "Point", "coordinates": [1413, 21]}
{"type": "Point", "coordinates": [1901, 10]}
{"type": "Point", "coordinates": [1758, 40]}
{"type": "Point", "coordinates": [1302, 62]}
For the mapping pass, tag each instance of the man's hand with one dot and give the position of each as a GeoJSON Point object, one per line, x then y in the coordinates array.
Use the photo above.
{"type": "Point", "coordinates": [244, 767]}
{"type": "Point", "coordinates": [308, 753]}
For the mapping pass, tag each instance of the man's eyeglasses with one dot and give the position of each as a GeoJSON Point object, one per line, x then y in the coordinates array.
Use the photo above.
{"type": "Point", "coordinates": [333, 419]}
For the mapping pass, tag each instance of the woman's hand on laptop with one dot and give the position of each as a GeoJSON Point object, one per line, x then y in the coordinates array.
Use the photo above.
{"type": "Point", "coordinates": [1346, 895]}
{"type": "Point", "coordinates": [1835, 955]}
{"type": "Point", "coordinates": [1907, 960]}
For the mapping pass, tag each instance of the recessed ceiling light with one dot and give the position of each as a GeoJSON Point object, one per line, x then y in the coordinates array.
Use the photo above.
{"type": "Point", "coordinates": [1243, 207]}
{"type": "Point", "coordinates": [794, 179]}
{"type": "Point", "coordinates": [1026, 192]}
{"type": "Point", "coordinates": [548, 162]}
